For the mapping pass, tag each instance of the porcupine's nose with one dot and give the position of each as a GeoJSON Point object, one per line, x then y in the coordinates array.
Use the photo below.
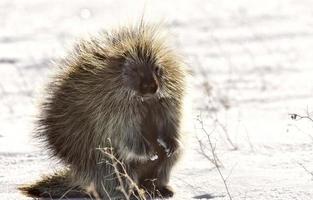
{"type": "Point", "coordinates": [149, 88]}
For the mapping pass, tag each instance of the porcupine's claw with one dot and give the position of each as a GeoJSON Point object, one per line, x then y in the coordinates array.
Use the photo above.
{"type": "Point", "coordinates": [154, 157]}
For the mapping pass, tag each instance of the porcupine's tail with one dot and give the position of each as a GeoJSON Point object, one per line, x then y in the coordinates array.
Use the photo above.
{"type": "Point", "coordinates": [57, 185]}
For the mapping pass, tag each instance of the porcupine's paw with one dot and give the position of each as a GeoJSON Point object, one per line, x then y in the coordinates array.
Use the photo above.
{"type": "Point", "coordinates": [165, 191]}
{"type": "Point", "coordinates": [169, 147]}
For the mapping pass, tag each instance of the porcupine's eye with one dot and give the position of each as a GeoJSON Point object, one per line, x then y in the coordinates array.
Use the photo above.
{"type": "Point", "coordinates": [129, 68]}
{"type": "Point", "coordinates": [157, 71]}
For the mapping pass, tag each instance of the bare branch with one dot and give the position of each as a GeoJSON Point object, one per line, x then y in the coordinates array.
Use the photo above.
{"type": "Point", "coordinates": [203, 152]}
{"type": "Point", "coordinates": [215, 159]}
{"type": "Point", "coordinates": [308, 171]}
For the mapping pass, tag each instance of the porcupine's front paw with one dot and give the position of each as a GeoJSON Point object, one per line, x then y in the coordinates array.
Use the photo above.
{"type": "Point", "coordinates": [153, 157]}
{"type": "Point", "coordinates": [150, 153]}
{"type": "Point", "coordinates": [169, 146]}
{"type": "Point", "coordinates": [145, 152]}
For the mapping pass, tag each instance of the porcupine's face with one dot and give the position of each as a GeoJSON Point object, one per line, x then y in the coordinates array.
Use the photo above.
{"type": "Point", "coordinates": [142, 78]}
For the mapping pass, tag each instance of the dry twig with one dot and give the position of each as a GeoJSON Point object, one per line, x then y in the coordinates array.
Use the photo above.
{"type": "Point", "coordinates": [308, 171]}
{"type": "Point", "coordinates": [132, 189]}
{"type": "Point", "coordinates": [215, 159]}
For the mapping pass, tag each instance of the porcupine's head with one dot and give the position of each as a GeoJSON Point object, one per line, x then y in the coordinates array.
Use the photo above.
{"type": "Point", "coordinates": [149, 69]}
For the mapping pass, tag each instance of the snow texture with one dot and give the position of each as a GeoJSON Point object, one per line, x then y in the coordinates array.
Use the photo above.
{"type": "Point", "coordinates": [251, 65]}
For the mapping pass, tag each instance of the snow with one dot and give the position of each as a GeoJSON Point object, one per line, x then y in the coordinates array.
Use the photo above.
{"type": "Point", "coordinates": [254, 58]}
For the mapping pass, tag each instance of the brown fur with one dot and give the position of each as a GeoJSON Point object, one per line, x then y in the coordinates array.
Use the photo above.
{"type": "Point", "coordinates": [126, 87]}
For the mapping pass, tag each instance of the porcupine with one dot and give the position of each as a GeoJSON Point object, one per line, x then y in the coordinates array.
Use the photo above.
{"type": "Point", "coordinates": [121, 90]}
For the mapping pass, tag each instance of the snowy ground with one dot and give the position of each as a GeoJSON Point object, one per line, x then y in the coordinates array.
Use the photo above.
{"type": "Point", "coordinates": [257, 57]}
